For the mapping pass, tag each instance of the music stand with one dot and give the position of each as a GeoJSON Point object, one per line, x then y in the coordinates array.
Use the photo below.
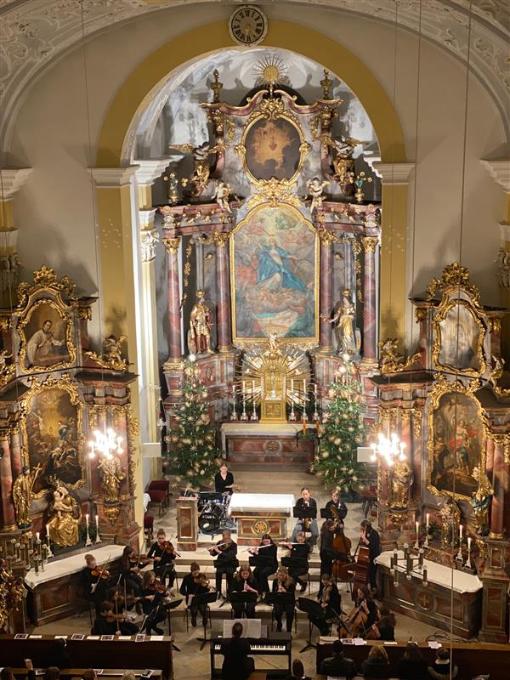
{"type": "Point", "coordinates": [326, 514]}
{"type": "Point", "coordinates": [242, 598]}
{"type": "Point", "coordinates": [173, 604]}
{"type": "Point", "coordinates": [310, 608]}
{"type": "Point", "coordinates": [207, 599]}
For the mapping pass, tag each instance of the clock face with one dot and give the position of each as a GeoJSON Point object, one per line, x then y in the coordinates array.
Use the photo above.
{"type": "Point", "coordinates": [248, 25]}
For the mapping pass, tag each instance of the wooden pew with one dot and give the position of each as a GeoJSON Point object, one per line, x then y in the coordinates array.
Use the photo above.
{"type": "Point", "coordinates": [86, 653]}
{"type": "Point", "coordinates": [105, 675]}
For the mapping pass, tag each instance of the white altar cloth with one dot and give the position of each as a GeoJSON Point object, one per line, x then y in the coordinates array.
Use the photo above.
{"type": "Point", "coordinates": [438, 574]}
{"type": "Point", "coordinates": [260, 430]}
{"type": "Point", "coordinates": [70, 565]}
{"type": "Point", "coordinates": [265, 502]}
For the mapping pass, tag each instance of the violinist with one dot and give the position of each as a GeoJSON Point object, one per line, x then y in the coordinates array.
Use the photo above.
{"type": "Point", "coordinates": [244, 582]}
{"type": "Point", "coordinates": [201, 586]}
{"type": "Point", "coordinates": [153, 595]}
{"type": "Point", "coordinates": [336, 508]}
{"type": "Point", "coordinates": [188, 583]}
{"type": "Point", "coordinates": [370, 538]}
{"type": "Point", "coordinates": [163, 554]}
{"type": "Point", "coordinates": [284, 584]}
{"type": "Point", "coordinates": [109, 623]}
{"type": "Point", "coordinates": [306, 502]}
{"type": "Point", "coordinates": [297, 560]}
{"type": "Point", "coordinates": [363, 615]}
{"type": "Point", "coordinates": [96, 581]}
{"type": "Point", "coordinates": [329, 600]}
{"type": "Point", "coordinates": [130, 566]}
{"type": "Point", "coordinates": [264, 557]}
{"type": "Point", "coordinates": [226, 561]}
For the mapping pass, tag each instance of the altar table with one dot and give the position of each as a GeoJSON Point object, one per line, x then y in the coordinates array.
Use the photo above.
{"type": "Point", "coordinates": [58, 590]}
{"type": "Point", "coordinates": [432, 603]}
{"type": "Point", "coordinates": [261, 513]}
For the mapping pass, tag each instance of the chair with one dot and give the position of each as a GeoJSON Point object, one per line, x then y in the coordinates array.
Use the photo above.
{"type": "Point", "coordinates": [160, 485]}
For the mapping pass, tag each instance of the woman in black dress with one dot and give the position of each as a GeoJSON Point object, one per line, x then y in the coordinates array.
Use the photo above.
{"type": "Point", "coordinates": [297, 561]}
{"type": "Point", "coordinates": [284, 584]}
{"type": "Point", "coordinates": [223, 480]}
{"type": "Point", "coordinates": [237, 665]}
{"type": "Point", "coordinates": [244, 582]}
{"type": "Point", "coordinates": [265, 560]}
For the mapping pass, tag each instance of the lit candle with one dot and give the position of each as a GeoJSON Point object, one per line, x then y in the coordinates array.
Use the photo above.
{"type": "Point", "coordinates": [87, 519]}
{"type": "Point", "coordinates": [37, 539]}
{"type": "Point", "coordinates": [469, 544]}
{"type": "Point", "coordinates": [97, 521]}
{"type": "Point", "coordinates": [48, 533]}
{"type": "Point", "coordinates": [427, 521]}
{"type": "Point", "coordinates": [461, 529]}
{"type": "Point", "coordinates": [417, 530]}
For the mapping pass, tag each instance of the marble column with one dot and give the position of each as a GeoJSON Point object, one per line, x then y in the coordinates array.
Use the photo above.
{"type": "Point", "coordinates": [369, 299]}
{"type": "Point", "coordinates": [8, 512]}
{"type": "Point", "coordinates": [327, 239]}
{"type": "Point", "coordinates": [499, 482]}
{"type": "Point", "coordinates": [16, 459]}
{"type": "Point", "coordinates": [174, 299]}
{"type": "Point", "coordinates": [224, 324]}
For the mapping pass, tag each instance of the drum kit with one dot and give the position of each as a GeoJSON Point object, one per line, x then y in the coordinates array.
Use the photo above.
{"type": "Point", "coordinates": [213, 509]}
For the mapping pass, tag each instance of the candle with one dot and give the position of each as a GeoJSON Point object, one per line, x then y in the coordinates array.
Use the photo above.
{"type": "Point", "coordinates": [417, 529]}
{"type": "Point", "coordinates": [37, 539]}
{"type": "Point", "coordinates": [48, 534]}
{"type": "Point", "coordinates": [427, 520]}
{"type": "Point", "coordinates": [87, 519]}
{"type": "Point", "coordinates": [97, 521]}
{"type": "Point", "coordinates": [469, 539]}
{"type": "Point", "coordinates": [461, 528]}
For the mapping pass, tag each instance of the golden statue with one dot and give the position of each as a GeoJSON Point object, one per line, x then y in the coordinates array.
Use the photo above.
{"type": "Point", "coordinates": [401, 482]}
{"type": "Point", "coordinates": [450, 520]}
{"type": "Point", "coordinates": [64, 519]}
{"type": "Point", "coordinates": [343, 320]}
{"type": "Point", "coordinates": [481, 501]}
{"type": "Point", "coordinates": [22, 493]}
{"type": "Point", "coordinates": [199, 335]}
{"type": "Point", "coordinates": [111, 357]}
{"type": "Point", "coordinates": [111, 476]}
{"type": "Point", "coordinates": [392, 361]}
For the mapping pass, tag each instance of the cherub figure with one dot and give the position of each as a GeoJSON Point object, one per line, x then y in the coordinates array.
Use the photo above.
{"type": "Point", "coordinates": [221, 194]}
{"type": "Point", "coordinates": [315, 188]}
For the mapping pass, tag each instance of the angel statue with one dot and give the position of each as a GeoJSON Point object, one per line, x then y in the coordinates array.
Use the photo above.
{"type": "Point", "coordinates": [112, 352]}
{"type": "Point", "coordinates": [402, 479]}
{"type": "Point", "coordinates": [111, 477]}
{"type": "Point", "coordinates": [315, 189]}
{"type": "Point", "coordinates": [64, 517]}
{"type": "Point", "coordinates": [222, 194]}
{"type": "Point", "coordinates": [343, 162]}
{"type": "Point", "coordinates": [201, 167]}
{"type": "Point", "coordinates": [22, 494]}
{"type": "Point", "coordinates": [199, 334]}
{"type": "Point", "coordinates": [343, 321]}
{"type": "Point", "coordinates": [481, 501]}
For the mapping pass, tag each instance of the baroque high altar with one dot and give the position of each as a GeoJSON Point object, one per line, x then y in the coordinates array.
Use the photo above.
{"type": "Point", "coordinates": [272, 230]}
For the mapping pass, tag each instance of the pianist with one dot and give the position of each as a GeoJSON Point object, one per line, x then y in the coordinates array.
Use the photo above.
{"type": "Point", "coordinates": [237, 665]}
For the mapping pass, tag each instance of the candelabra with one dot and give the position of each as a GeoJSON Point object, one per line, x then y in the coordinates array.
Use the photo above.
{"type": "Point", "coordinates": [412, 564]}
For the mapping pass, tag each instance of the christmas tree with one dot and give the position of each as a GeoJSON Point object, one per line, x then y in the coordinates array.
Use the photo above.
{"type": "Point", "coordinates": [192, 452]}
{"type": "Point", "coordinates": [342, 433]}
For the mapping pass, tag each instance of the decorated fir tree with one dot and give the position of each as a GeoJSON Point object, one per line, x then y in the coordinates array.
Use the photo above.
{"type": "Point", "coordinates": [342, 433]}
{"type": "Point", "coordinates": [192, 452]}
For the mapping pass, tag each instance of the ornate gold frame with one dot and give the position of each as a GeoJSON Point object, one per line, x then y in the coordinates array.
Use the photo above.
{"type": "Point", "coordinates": [66, 384]}
{"type": "Point", "coordinates": [448, 303]}
{"type": "Point", "coordinates": [440, 389]}
{"type": "Point", "coordinates": [240, 341]}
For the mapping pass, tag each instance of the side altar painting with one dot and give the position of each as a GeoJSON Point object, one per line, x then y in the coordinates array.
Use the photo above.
{"type": "Point", "coordinates": [274, 256]}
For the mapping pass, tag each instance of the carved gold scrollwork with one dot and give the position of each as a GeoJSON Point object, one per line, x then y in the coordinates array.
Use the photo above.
{"type": "Point", "coordinates": [453, 276]}
{"type": "Point", "coordinates": [391, 361]}
{"type": "Point", "coordinates": [172, 244]}
{"type": "Point", "coordinates": [370, 243]}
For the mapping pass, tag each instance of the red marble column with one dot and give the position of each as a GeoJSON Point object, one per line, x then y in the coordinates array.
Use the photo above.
{"type": "Point", "coordinates": [224, 327]}
{"type": "Point", "coordinates": [499, 482]}
{"type": "Point", "coordinates": [174, 299]}
{"type": "Point", "coordinates": [8, 512]}
{"type": "Point", "coordinates": [16, 460]}
{"type": "Point", "coordinates": [489, 465]}
{"type": "Point", "coordinates": [326, 290]}
{"type": "Point", "coordinates": [369, 299]}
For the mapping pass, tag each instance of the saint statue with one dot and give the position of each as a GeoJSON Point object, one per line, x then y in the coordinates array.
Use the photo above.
{"type": "Point", "coordinates": [450, 520]}
{"type": "Point", "coordinates": [111, 476]}
{"type": "Point", "coordinates": [345, 329]}
{"type": "Point", "coordinates": [199, 334]}
{"type": "Point", "coordinates": [64, 513]}
{"type": "Point", "coordinates": [401, 482]}
{"type": "Point", "coordinates": [481, 501]}
{"type": "Point", "coordinates": [22, 493]}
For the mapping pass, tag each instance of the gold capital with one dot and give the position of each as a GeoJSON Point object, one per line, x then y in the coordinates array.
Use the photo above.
{"type": "Point", "coordinates": [370, 243]}
{"type": "Point", "coordinates": [326, 237]}
{"type": "Point", "coordinates": [172, 244]}
{"type": "Point", "coordinates": [220, 238]}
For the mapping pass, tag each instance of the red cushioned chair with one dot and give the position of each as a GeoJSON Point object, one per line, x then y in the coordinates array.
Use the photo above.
{"type": "Point", "coordinates": [160, 489]}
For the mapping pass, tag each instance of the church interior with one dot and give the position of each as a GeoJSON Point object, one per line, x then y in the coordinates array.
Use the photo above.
{"type": "Point", "coordinates": [254, 323]}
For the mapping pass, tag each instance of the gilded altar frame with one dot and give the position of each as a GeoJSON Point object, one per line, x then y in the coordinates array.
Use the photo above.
{"type": "Point", "coordinates": [65, 384]}
{"type": "Point", "coordinates": [306, 340]}
{"type": "Point", "coordinates": [443, 387]}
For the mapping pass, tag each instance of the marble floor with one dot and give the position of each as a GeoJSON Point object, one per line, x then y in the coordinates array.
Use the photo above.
{"type": "Point", "coordinates": [191, 663]}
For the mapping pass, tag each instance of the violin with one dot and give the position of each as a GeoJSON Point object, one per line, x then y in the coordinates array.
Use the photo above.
{"type": "Point", "coordinates": [100, 573]}
{"type": "Point", "coordinates": [169, 548]}
{"type": "Point", "coordinates": [117, 617]}
{"type": "Point", "coordinates": [157, 587]}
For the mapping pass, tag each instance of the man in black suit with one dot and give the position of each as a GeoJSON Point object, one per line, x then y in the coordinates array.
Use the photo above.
{"type": "Point", "coordinates": [338, 665]}
{"type": "Point", "coordinates": [237, 665]}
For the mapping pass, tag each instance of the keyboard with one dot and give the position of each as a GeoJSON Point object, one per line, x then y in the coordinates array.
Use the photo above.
{"type": "Point", "coordinates": [279, 644]}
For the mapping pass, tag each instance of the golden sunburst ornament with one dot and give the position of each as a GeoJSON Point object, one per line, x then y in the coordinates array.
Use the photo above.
{"type": "Point", "coordinates": [271, 70]}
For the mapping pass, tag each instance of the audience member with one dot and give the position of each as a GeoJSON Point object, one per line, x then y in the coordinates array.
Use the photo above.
{"type": "Point", "coordinates": [51, 673]}
{"type": "Point", "coordinates": [338, 665]}
{"type": "Point", "coordinates": [412, 665]}
{"type": "Point", "coordinates": [237, 665]}
{"type": "Point", "coordinates": [89, 674]}
{"type": "Point", "coordinates": [298, 671]}
{"type": "Point", "coordinates": [442, 667]}
{"type": "Point", "coordinates": [6, 674]}
{"type": "Point", "coordinates": [377, 664]}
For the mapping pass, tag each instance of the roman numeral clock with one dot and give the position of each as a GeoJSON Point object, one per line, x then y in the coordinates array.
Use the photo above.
{"type": "Point", "coordinates": [248, 25]}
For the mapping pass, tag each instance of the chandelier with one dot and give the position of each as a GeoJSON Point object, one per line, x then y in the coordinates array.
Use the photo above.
{"type": "Point", "coordinates": [389, 449]}
{"type": "Point", "coordinates": [105, 444]}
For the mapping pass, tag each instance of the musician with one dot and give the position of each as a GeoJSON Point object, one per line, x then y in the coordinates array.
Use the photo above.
{"type": "Point", "coordinates": [384, 628]}
{"type": "Point", "coordinates": [109, 623]}
{"type": "Point", "coordinates": [226, 561]}
{"type": "Point", "coordinates": [328, 553]}
{"type": "Point", "coordinates": [237, 665]}
{"type": "Point", "coordinates": [330, 602]}
{"type": "Point", "coordinates": [96, 581]}
{"type": "Point", "coordinates": [265, 560]}
{"type": "Point", "coordinates": [244, 582]}
{"type": "Point", "coordinates": [164, 556]}
{"type": "Point", "coordinates": [370, 538]}
{"type": "Point", "coordinates": [364, 614]}
{"type": "Point", "coordinates": [201, 586]}
{"type": "Point", "coordinates": [153, 595]}
{"type": "Point", "coordinates": [306, 502]}
{"type": "Point", "coordinates": [297, 560]}
{"type": "Point", "coordinates": [130, 565]}
{"type": "Point", "coordinates": [188, 583]}
{"type": "Point", "coordinates": [284, 584]}
{"type": "Point", "coordinates": [336, 508]}
{"type": "Point", "coordinates": [224, 480]}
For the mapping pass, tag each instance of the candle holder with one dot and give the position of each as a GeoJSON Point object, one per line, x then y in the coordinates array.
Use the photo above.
{"type": "Point", "coordinates": [48, 548]}
{"type": "Point", "coordinates": [244, 415]}
{"type": "Point", "coordinates": [253, 416]}
{"type": "Point", "coordinates": [98, 537]}
{"type": "Point", "coordinates": [233, 415]}
{"type": "Point", "coordinates": [88, 541]}
{"type": "Point", "coordinates": [412, 565]}
{"type": "Point", "coordinates": [292, 414]}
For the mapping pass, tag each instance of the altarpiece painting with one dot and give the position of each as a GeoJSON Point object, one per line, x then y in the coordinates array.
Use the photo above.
{"type": "Point", "coordinates": [460, 338]}
{"type": "Point", "coordinates": [272, 149]}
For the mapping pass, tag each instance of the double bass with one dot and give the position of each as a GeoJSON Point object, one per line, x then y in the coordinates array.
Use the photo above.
{"type": "Point", "coordinates": [340, 544]}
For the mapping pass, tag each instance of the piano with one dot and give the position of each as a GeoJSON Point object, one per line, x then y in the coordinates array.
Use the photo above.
{"type": "Point", "coordinates": [279, 644]}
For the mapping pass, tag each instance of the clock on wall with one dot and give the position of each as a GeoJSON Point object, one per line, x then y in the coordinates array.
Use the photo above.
{"type": "Point", "coordinates": [247, 25]}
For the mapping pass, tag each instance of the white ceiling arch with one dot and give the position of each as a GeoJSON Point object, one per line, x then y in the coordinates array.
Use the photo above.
{"type": "Point", "coordinates": [33, 33]}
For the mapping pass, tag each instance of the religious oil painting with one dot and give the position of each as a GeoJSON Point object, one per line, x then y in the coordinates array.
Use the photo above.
{"type": "Point", "coordinates": [46, 336]}
{"type": "Point", "coordinates": [272, 149]}
{"type": "Point", "coordinates": [460, 339]}
{"type": "Point", "coordinates": [274, 255]}
{"type": "Point", "coordinates": [457, 444]}
{"type": "Point", "coordinates": [52, 427]}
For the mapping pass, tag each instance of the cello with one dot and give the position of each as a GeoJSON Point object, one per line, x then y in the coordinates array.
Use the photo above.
{"type": "Point", "coordinates": [340, 544]}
